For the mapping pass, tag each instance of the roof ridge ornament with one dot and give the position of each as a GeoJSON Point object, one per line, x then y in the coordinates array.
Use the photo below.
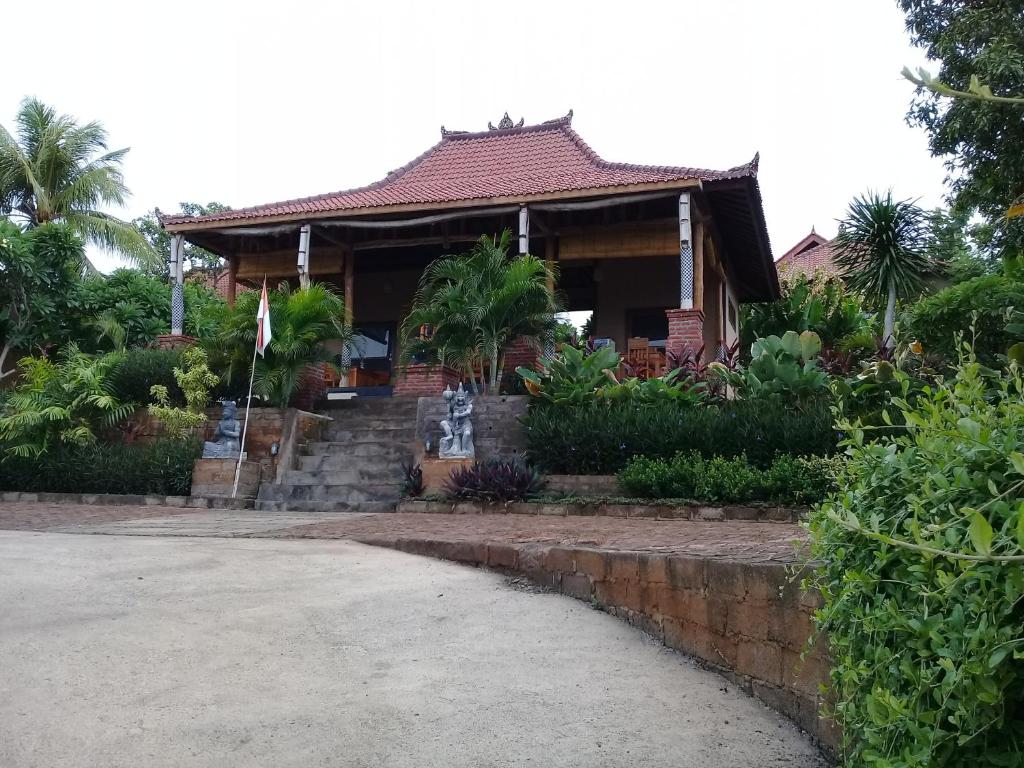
{"type": "Point", "coordinates": [506, 124]}
{"type": "Point", "coordinates": [564, 119]}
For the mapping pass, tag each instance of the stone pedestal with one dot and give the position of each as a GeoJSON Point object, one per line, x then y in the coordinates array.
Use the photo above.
{"type": "Point", "coordinates": [174, 341]}
{"type": "Point", "coordinates": [437, 471]}
{"type": "Point", "coordinates": [215, 477]}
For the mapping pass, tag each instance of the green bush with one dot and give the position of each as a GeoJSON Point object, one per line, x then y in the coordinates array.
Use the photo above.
{"type": "Point", "coordinates": [688, 475]}
{"type": "Point", "coordinates": [141, 369]}
{"type": "Point", "coordinates": [936, 320]}
{"type": "Point", "coordinates": [599, 438]}
{"type": "Point", "coordinates": [921, 576]}
{"type": "Point", "coordinates": [162, 468]}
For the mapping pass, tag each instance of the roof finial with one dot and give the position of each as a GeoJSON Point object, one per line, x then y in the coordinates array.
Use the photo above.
{"type": "Point", "coordinates": [812, 230]}
{"type": "Point", "coordinates": [506, 123]}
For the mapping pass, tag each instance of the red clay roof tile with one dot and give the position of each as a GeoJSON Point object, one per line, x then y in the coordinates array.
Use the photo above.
{"type": "Point", "coordinates": [533, 160]}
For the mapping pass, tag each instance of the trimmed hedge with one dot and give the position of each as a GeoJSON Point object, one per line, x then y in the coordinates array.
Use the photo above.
{"type": "Point", "coordinates": [789, 479]}
{"type": "Point", "coordinates": [161, 468]}
{"type": "Point", "coordinates": [141, 369]}
{"type": "Point", "coordinates": [599, 439]}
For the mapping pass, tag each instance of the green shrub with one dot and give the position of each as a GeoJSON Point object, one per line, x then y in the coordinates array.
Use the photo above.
{"type": "Point", "coordinates": [495, 480]}
{"type": "Point", "coordinates": [162, 468]}
{"type": "Point", "coordinates": [143, 368]}
{"type": "Point", "coordinates": [936, 320]}
{"type": "Point", "coordinates": [688, 475]}
{"type": "Point", "coordinates": [921, 576]}
{"type": "Point", "coordinates": [599, 438]}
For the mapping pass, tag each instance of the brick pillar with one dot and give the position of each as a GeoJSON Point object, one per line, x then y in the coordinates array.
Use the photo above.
{"type": "Point", "coordinates": [520, 353]}
{"type": "Point", "coordinates": [685, 330]}
{"type": "Point", "coordinates": [423, 380]}
{"type": "Point", "coordinates": [174, 341]}
{"type": "Point", "coordinates": [313, 386]}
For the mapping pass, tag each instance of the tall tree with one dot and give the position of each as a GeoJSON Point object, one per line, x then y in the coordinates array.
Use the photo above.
{"type": "Point", "coordinates": [54, 169]}
{"type": "Point", "coordinates": [882, 249]}
{"type": "Point", "coordinates": [39, 269]}
{"type": "Point", "coordinates": [981, 139]}
{"type": "Point", "coordinates": [160, 240]}
{"type": "Point", "coordinates": [477, 304]}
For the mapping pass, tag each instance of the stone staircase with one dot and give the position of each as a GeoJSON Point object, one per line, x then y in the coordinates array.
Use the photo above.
{"type": "Point", "coordinates": [359, 466]}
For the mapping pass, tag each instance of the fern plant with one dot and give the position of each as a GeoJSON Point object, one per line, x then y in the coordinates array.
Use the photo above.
{"type": "Point", "coordinates": [65, 401]}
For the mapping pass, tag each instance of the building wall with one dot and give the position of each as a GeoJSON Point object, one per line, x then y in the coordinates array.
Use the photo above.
{"type": "Point", "coordinates": [633, 283]}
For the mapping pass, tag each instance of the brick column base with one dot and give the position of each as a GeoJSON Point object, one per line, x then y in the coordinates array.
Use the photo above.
{"type": "Point", "coordinates": [422, 380]}
{"type": "Point", "coordinates": [313, 386]}
{"type": "Point", "coordinates": [685, 330]}
{"type": "Point", "coordinates": [174, 341]}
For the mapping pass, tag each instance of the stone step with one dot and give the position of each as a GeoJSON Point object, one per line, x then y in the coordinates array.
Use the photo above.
{"type": "Point", "coordinates": [350, 494]}
{"type": "Point", "coordinates": [383, 426]}
{"type": "Point", "coordinates": [374, 407]}
{"type": "Point", "coordinates": [395, 451]}
{"type": "Point", "coordinates": [343, 475]}
{"type": "Point", "coordinates": [356, 434]}
{"type": "Point", "coordinates": [324, 506]}
{"type": "Point", "coordinates": [364, 464]}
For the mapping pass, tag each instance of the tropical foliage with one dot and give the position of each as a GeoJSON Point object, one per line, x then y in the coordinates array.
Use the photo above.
{"type": "Point", "coordinates": [476, 305]}
{"type": "Point", "coordinates": [825, 306]}
{"type": "Point", "coordinates": [784, 367]}
{"type": "Point", "coordinates": [921, 555]}
{"type": "Point", "coordinates": [984, 303]}
{"type": "Point", "coordinates": [882, 249]}
{"type": "Point", "coordinates": [303, 321]}
{"type": "Point", "coordinates": [194, 380]}
{"type": "Point", "coordinates": [54, 169]}
{"type": "Point", "coordinates": [38, 268]}
{"type": "Point", "coordinates": [979, 138]}
{"type": "Point", "coordinates": [62, 402]}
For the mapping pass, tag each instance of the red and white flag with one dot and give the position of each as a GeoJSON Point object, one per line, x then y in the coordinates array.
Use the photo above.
{"type": "Point", "coordinates": [263, 334]}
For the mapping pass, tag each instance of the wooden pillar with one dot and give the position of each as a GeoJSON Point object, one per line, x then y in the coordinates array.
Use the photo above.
{"type": "Point", "coordinates": [685, 253]}
{"type": "Point", "coordinates": [524, 229]}
{"type": "Point", "coordinates": [303, 259]}
{"type": "Point", "coordinates": [349, 283]}
{"type": "Point", "coordinates": [698, 265]}
{"type": "Point", "coordinates": [232, 279]}
{"type": "Point", "coordinates": [177, 285]}
{"type": "Point", "coordinates": [549, 260]}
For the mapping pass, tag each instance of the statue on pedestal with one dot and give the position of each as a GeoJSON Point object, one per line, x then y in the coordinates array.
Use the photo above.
{"type": "Point", "coordinates": [225, 443]}
{"type": "Point", "coordinates": [457, 442]}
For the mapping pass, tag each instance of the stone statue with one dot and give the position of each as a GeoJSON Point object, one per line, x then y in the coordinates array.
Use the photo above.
{"type": "Point", "coordinates": [225, 443]}
{"type": "Point", "coordinates": [457, 442]}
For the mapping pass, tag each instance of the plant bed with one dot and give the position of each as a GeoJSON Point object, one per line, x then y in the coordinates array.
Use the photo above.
{"type": "Point", "coordinates": [659, 509]}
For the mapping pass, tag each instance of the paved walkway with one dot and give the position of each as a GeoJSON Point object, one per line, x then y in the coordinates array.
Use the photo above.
{"type": "Point", "coordinates": [163, 652]}
{"type": "Point", "coordinates": [752, 542]}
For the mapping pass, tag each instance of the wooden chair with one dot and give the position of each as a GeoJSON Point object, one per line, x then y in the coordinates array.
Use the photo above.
{"type": "Point", "coordinates": [638, 356]}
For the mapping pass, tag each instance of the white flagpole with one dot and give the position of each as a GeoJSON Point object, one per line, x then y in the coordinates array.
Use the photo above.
{"type": "Point", "coordinates": [245, 427]}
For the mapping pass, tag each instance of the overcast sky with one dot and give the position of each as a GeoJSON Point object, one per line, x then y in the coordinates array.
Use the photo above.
{"type": "Point", "coordinates": [252, 102]}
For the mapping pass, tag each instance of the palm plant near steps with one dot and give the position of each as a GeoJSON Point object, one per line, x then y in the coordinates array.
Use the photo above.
{"type": "Point", "coordinates": [882, 250]}
{"type": "Point", "coordinates": [302, 322]}
{"type": "Point", "coordinates": [54, 169]}
{"type": "Point", "coordinates": [476, 305]}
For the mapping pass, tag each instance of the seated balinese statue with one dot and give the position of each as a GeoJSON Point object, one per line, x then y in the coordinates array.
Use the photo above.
{"type": "Point", "coordinates": [225, 443]}
{"type": "Point", "coordinates": [457, 442]}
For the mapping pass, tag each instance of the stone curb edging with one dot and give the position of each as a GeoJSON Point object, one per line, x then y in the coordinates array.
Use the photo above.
{"type": "Point", "coordinates": [637, 511]}
{"type": "Point", "coordinates": [748, 621]}
{"type": "Point", "coordinates": [123, 499]}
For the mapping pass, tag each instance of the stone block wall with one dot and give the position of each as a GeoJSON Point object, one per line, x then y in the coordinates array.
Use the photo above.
{"type": "Point", "coordinates": [583, 485]}
{"type": "Point", "coordinates": [216, 477]}
{"type": "Point", "coordinates": [497, 431]}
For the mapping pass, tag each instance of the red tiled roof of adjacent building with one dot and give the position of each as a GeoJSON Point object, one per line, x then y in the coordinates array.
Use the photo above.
{"type": "Point", "coordinates": [507, 162]}
{"type": "Point", "coordinates": [816, 260]}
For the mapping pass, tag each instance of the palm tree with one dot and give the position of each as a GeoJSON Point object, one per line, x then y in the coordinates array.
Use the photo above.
{"type": "Point", "coordinates": [58, 170]}
{"type": "Point", "coordinates": [301, 322]}
{"type": "Point", "coordinates": [882, 250]}
{"type": "Point", "coordinates": [477, 304]}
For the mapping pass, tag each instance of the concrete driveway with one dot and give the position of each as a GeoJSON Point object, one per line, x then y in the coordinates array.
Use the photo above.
{"type": "Point", "coordinates": [156, 652]}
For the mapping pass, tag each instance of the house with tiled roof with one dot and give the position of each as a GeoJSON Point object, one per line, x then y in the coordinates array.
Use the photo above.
{"type": "Point", "coordinates": [665, 253]}
{"type": "Point", "coordinates": [812, 256]}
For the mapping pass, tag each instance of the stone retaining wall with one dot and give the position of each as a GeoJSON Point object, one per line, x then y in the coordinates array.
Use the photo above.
{"type": "Point", "coordinates": [748, 620]}
{"type": "Point", "coordinates": [603, 509]}
{"type": "Point", "coordinates": [583, 485]}
{"type": "Point", "coordinates": [497, 431]}
{"type": "Point", "coordinates": [131, 500]}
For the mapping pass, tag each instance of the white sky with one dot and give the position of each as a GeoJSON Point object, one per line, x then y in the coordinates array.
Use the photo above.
{"type": "Point", "coordinates": [252, 102]}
